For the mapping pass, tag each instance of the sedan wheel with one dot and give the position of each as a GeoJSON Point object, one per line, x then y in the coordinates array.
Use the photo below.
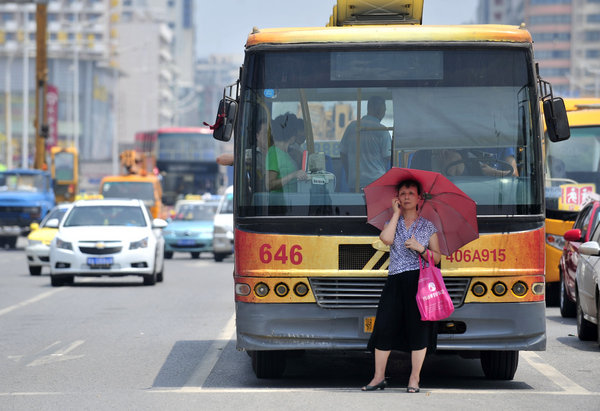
{"type": "Point", "coordinates": [150, 279]}
{"type": "Point", "coordinates": [35, 270]}
{"type": "Point", "coordinates": [168, 255]}
{"type": "Point", "coordinates": [567, 307]}
{"type": "Point", "coordinates": [585, 329]}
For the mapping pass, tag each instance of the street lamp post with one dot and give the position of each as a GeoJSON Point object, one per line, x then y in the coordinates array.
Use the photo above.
{"type": "Point", "coordinates": [8, 82]}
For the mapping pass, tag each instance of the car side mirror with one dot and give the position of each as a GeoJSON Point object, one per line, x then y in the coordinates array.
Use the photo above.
{"type": "Point", "coordinates": [159, 223]}
{"type": "Point", "coordinates": [34, 226]}
{"type": "Point", "coordinates": [224, 124]}
{"type": "Point", "coordinates": [52, 223]}
{"type": "Point", "coordinates": [590, 248]}
{"type": "Point", "coordinates": [557, 123]}
{"type": "Point", "coordinates": [573, 234]}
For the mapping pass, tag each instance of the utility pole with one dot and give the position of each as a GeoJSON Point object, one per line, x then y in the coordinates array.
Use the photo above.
{"type": "Point", "coordinates": [41, 81]}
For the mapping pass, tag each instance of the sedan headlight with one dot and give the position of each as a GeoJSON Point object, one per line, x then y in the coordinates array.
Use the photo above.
{"type": "Point", "coordinates": [63, 244]}
{"type": "Point", "coordinates": [143, 243]}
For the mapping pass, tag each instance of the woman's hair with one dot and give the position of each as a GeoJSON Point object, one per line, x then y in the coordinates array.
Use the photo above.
{"type": "Point", "coordinates": [284, 127]}
{"type": "Point", "coordinates": [409, 183]}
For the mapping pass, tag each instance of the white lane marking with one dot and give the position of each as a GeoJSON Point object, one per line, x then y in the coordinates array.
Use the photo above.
{"type": "Point", "coordinates": [552, 373]}
{"type": "Point", "coordinates": [30, 301]}
{"type": "Point", "coordinates": [58, 355]}
{"type": "Point", "coordinates": [201, 373]}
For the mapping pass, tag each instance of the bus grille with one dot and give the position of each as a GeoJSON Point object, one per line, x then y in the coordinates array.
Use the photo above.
{"type": "Point", "coordinates": [356, 256]}
{"type": "Point", "coordinates": [365, 292]}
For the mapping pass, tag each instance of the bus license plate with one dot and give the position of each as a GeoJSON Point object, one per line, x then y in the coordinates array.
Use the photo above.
{"type": "Point", "coordinates": [100, 261]}
{"type": "Point", "coordinates": [369, 323]}
{"type": "Point", "coordinates": [186, 242]}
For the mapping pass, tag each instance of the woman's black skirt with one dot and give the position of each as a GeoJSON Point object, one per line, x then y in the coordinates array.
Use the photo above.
{"type": "Point", "coordinates": [398, 324]}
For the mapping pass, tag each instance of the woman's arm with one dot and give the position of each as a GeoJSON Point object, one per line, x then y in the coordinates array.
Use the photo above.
{"type": "Point", "coordinates": [389, 230]}
{"type": "Point", "coordinates": [434, 247]}
{"type": "Point", "coordinates": [277, 183]}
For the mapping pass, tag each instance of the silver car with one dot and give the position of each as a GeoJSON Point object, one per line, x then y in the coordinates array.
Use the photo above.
{"type": "Point", "coordinates": [587, 290]}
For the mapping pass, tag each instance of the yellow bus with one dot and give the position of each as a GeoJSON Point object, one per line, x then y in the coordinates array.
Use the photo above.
{"type": "Point", "coordinates": [309, 269]}
{"type": "Point", "coordinates": [64, 167]}
{"type": "Point", "coordinates": [572, 170]}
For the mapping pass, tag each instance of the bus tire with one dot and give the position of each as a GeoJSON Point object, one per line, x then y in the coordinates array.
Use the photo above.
{"type": "Point", "coordinates": [586, 331]}
{"type": "Point", "coordinates": [568, 308]}
{"type": "Point", "coordinates": [499, 365]}
{"type": "Point", "coordinates": [268, 364]}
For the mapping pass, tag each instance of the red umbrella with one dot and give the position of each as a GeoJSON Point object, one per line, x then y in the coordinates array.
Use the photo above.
{"type": "Point", "coordinates": [452, 212]}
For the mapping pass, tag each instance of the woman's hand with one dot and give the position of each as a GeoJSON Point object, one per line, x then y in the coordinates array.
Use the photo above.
{"type": "Point", "coordinates": [301, 175]}
{"type": "Point", "coordinates": [396, 205]}
{"type": "Point", "coordinates": [413, 244]}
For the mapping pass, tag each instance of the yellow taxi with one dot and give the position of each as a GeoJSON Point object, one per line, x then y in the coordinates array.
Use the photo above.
{"type": "Point", "coordinates": [38, 240]}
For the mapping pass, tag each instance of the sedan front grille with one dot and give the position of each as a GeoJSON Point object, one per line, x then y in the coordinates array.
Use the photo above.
{"type": "Point", "coordinates": [100, 251]}
{"type": "Point", "coordinates": [364, 292]}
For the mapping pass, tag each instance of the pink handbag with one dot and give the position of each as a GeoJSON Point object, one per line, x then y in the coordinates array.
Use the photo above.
{"type": "Point", "coordinates": [432, 296]}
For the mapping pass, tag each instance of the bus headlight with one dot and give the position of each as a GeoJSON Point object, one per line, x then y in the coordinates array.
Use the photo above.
{"type": "Point", "coordinates": [261, 289]}
{"type": "Point", "coordinates": [556, 241]}
{"type": "Point", "coordinates": [538, 288]}
{"type": "Point", "coordinates": [281, 290]}
{"type": "Point", "coordinates": [499, 289]}
{"type": "Point", "coordinates": [479, 289]}
{"type": "Point", "coordinates": [242, 289]}
{"type": "Point", "coordinates": [519, 288]}
{"type": "Point", "coordinates": [301, 289]}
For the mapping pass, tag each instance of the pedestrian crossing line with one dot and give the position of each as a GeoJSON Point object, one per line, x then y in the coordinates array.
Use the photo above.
{"type": "Point", "coordinates": [552, 373]}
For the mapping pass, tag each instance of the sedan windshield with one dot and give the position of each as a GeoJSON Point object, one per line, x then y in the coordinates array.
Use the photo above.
{"type": "Point", "coordinates": [195, 212]}
{"type": "Point", "coordinates": [106, 216]}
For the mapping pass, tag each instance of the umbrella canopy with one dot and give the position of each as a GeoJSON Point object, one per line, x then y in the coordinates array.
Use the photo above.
{"type": "Point", "coordinates": [453, 213]}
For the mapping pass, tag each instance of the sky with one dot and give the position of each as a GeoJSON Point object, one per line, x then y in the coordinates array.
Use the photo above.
{"type": "Point", "coordinates": [223, 25]}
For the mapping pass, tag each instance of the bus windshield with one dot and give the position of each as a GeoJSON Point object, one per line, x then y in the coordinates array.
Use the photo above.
{"type": "Point", "coordinates": [465, 112]}
{"type": "Point", "coordinates": [575, 161]}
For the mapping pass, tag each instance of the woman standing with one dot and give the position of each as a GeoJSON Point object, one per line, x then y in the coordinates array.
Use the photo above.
{"type": "Point", "coordinates": [398, 323]}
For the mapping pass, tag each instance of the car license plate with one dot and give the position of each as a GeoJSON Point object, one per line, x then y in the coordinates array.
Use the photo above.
{"type": "Point", "coordinates": [186, 241]}
{"type": "Point", "coordinates": [369, 323]}
{"type": "Point", "coordinates": [99, 261]}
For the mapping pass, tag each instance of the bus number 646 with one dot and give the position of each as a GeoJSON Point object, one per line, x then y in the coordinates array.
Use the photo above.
{"type": "Point", "coordinates": [295, 254]}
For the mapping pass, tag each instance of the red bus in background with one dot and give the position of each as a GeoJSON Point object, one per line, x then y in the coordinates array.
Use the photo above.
{"type": "Point", "coordinates": [185, 158]}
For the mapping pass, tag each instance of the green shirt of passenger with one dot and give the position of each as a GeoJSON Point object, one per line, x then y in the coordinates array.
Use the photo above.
{"type": "Point", "coordinates": [280, 162]}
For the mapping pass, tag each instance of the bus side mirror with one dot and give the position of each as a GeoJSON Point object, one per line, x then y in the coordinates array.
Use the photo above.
{"type": "Point", "coordinates": [557, 123]}
{"type": "Point", "coordinates": [223, 128]}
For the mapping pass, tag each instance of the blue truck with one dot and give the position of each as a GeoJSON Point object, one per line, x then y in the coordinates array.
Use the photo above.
{"type": "Point", "coordinates": [25, 197]}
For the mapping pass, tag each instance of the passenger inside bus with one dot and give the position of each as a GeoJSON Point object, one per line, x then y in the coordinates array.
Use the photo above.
{"type": "Point", "coordinates": [375, 145]}
{"type": "Point", "coordinates": [283, 173]}
{"type": "Point", "coordinates": [452, 162]}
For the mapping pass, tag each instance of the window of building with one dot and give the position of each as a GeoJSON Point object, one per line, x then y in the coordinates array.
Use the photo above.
{"type": "Point", "coordinates": [592, 53]}
{"type": "Point", "coordinates": [546, 37]}
{"type": "Point", "coordinates": [532, 2]}
{"type": "Point", "coordinates": [593, 18]}
{"type": "Point", "coordinates": [550, 19]}
{"type": "Point", "coordinates": [592, 35]}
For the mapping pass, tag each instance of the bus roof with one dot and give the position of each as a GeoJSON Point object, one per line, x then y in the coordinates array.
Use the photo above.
{"type": "Point", "coordinates": [389, 33]}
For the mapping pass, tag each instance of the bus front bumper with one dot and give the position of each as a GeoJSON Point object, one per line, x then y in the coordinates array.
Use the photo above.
{"type": "Point", "coordinates": [489, 326]}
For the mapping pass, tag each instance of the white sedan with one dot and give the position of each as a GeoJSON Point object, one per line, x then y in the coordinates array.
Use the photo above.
{"type": "Point", "coordinates": [107, 238]}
